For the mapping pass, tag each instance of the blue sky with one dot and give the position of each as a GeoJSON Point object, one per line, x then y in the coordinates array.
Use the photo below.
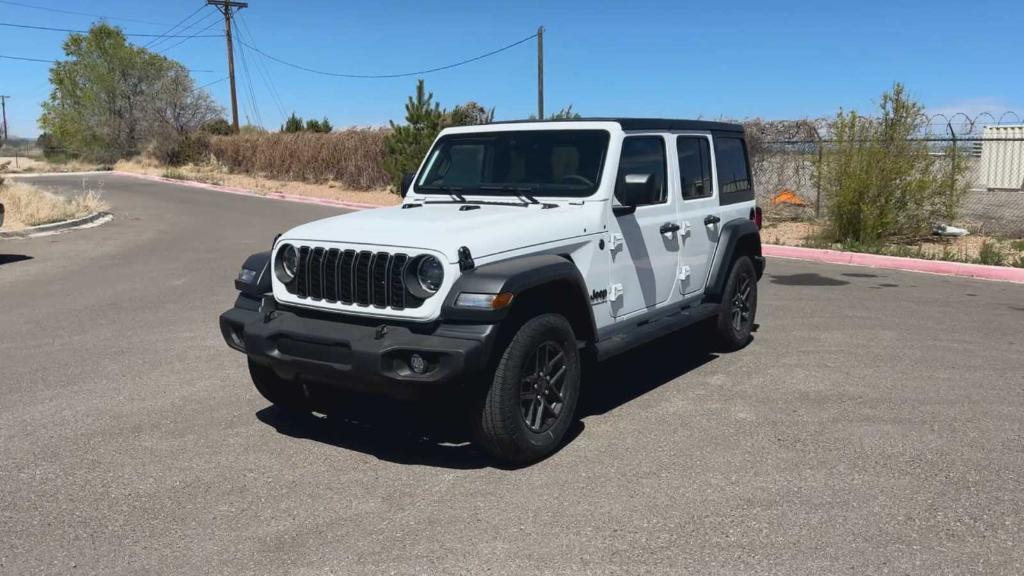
{"type": "Point", "coordinates": [675, 58]}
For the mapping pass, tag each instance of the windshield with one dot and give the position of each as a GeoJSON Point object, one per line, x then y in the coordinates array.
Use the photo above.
{"type": "Point", "coordinates": [528, 162]}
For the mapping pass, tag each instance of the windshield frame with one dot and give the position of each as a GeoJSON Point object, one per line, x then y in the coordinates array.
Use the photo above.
{"type": "Point", "coordinates": [510, 190]}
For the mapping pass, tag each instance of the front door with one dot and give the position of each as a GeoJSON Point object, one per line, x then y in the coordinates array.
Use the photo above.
{"type": "Point", "coordinates": [645, 248]}
{"type": "Point", "coordinates": [698, 211]}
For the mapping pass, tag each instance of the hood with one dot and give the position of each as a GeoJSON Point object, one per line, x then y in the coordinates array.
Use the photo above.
{"type": "Point", "coordinates": [486, 230]}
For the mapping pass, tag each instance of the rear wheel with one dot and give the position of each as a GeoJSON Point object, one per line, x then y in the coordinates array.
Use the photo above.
{"type": "Point", "coordinates": [283, 393]}
{"type": "Point", "coordinates": [531, 402]}
{"type": "Point", "coordinates": [735, 320]}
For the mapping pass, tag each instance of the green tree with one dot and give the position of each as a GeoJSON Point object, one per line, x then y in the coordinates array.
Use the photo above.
{"type": "Point", "coordinates": [879, 181]}
{"type": "Point", "coordinates": [566, 113]}
{"type": "Point", "coordinates": [217, 126]}
{"type": "Point", "coordinates": [293, 124]}
{"type": "Point", "coordinates": [321, 126]}
{"type": "Point", "coordinates": [469, 114]}
{"type": "Point", "coordinates": [408, 143]}
{"type": "Point", "coordinates": [109, 99]}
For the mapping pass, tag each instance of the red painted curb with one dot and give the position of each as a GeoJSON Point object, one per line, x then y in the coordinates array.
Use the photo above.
{"type": "Point", "coordinates": [1002, 273]}
{"type": "Point", "coordinates": [244, 192]}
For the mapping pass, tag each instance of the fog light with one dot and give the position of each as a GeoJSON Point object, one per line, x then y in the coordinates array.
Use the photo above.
{"type": "Point", "coordinates": [418, 364]}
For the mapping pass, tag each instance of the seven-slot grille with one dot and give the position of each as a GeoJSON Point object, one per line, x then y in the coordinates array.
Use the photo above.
{"type": "Point", "coordinates": [353, 277]}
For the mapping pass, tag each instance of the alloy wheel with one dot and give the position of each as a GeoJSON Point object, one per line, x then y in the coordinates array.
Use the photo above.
{"type": "Point", "coordinates": [542, 387]}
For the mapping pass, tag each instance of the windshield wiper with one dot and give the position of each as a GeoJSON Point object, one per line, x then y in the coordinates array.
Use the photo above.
{"type": "Point", "coordinates": [455, 191]}
{"type": "Point", "coordinates": [524, 192]}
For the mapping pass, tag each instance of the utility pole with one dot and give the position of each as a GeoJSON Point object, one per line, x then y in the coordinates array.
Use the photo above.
{"type": "Point", "coordinates": [226, 7]}
{"type": "Point", "coordinates": [3, 108]}
{"type": "Point", "coordinates": [540, 73]}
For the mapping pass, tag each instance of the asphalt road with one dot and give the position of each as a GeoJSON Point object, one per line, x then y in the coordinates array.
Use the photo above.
{"type": "Point", "coordinates": [875, 425]}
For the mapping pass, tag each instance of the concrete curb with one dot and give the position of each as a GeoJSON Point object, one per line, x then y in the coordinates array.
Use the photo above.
{"type": "Point", "coordinates": [1001, 273]}
{"type": "Point", "coordinates": [244, 192]}
{"type": "Point", "coordinates": [94, 218]}
{"type": "Point", "coordinates": [214, 187]}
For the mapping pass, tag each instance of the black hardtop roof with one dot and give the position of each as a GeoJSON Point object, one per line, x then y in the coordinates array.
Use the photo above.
{"type": "Point", "coordinates": [648, 123]}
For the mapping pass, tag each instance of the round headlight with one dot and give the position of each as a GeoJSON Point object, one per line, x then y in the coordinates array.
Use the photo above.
{"type": "Point", "coordinates": [430, 274]}
{"type": "Point", "coordinates": [288, 263]}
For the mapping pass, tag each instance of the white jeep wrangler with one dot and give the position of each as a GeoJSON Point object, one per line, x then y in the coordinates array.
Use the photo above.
{"type": "Point", "coordinates": [520, 249]}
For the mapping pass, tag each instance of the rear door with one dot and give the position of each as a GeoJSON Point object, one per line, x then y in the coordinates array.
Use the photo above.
{"type": "Point", "coordinates": [645, 247]}
{"type": "Point", "coordinates": [698, 210]}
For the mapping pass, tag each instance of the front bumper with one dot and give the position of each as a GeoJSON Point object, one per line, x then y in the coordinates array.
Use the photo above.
{"type": "Point", "coordinates": [351, 353]}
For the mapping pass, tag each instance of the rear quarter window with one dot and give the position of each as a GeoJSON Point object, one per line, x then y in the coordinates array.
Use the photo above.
{"type": "Point", "coordinates": [734, 183]}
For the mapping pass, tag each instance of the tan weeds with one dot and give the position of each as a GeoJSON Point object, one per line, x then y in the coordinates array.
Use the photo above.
{"type": "Point", "coordinates": [27, 205]}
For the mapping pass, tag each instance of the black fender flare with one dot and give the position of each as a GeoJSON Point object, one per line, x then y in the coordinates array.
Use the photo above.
{"type": "Point", "coordinates": [733, 234]}
{"type": "Point", "coordinates": [516, 275]}
{"type": "Point", "coordinates": [260, 284]}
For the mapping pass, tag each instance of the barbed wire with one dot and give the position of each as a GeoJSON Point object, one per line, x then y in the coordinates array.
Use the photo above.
{"type": "Point", "coordinates": [938, 126]}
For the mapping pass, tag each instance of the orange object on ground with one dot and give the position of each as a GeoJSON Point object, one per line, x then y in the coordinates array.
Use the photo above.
{"type": "Point", "coordinates": [788, 197]}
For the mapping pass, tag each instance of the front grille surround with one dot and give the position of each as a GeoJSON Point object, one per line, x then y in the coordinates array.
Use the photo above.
{"type": "Point", "coordinates": [363, 278]}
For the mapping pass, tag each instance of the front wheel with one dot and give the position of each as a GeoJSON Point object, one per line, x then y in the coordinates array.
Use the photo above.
{"type": "Point", "coordinates": [735, 320]}
{"type": "Point", "coordinates": [531, 402]}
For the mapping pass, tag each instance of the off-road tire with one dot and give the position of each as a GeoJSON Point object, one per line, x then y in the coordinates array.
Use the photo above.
{"type": "Point", "coordinates": [500, 417]}
{"type": "Point", "coordinates": [282, 393]}
{"type": "Point", "coordinates": [738, 308]}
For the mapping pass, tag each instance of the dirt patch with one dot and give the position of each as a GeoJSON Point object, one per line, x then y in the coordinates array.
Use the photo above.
{"type": "Point", "coordinates": [27, 205]}
{"type": "Point", "coordinates": [212, 174]}
{"type": "Point", "coordinates": [977, 248]}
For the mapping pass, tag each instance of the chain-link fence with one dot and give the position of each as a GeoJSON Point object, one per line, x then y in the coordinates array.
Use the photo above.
{"type": "Point", "coordinates": [982, 159]}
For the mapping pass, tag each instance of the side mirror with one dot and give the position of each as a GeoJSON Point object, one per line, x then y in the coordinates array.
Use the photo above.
{"type": "Point", "coordinates": [407, 180]}
{"type": "Point", "coordinates": [633, 190]}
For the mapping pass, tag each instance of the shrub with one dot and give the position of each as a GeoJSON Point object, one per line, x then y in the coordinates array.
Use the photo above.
{"type": "Point", "coordinates": [217, 127]}
{"type": "Point", "coordinates": [991, 254]}
{"type": "Point", "coordinates": [353, 157]}
{"type": "Point", "coordinates": [880, 182]}
{"type": "Point", "coordinates": [176, 150]}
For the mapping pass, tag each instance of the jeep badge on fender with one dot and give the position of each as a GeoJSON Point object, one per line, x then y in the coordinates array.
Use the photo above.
{"type": "Point", "coordinates": [498, 282]}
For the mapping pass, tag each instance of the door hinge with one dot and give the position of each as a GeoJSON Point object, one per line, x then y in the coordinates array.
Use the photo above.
{"type": "Point", "coordinates": [615, 242]}
{"type": "Point", "coordinates": [684, 273]}
{"type": "Point", "coordinates": [614, 292]}
{"type": "Point", "coordinates": [685, 228]}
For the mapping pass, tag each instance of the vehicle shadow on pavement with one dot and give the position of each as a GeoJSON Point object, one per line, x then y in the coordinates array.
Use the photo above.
{"type": "Point", "coordinates": [434, 433]}
{"type": "Point", "coordinates": [12, 258]}
{"type": "Point", "coordinates": [633, 374]}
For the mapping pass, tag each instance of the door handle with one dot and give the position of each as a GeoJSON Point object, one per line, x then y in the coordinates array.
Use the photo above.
{"type": "Point", "coordinates": [711, 219]}
{"type": "Point", "coordinates": [669, 227]}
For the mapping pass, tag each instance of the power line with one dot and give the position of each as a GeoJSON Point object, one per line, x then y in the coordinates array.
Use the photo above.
{"type": "Point", "coordinates": [48, 9]}
{"type": "Point", "coordinates": [187, 38]}
{"type": "Point", "coordinates": [248, 80]}
{"type": "Point", "coordinates": [208, 84]}
{"type": "Point", "coordinates": [261, 68]}
{"type": "Point", "coordinates": [45, 61]}
{"type": "Point", "coordinates": [27, 59]}
{"type": "Point", "coordinates": [401, 75]}
{"type": "Point", "coordinates": [172, 28]}
{"type": "Point", "coordinates": [86, 31]}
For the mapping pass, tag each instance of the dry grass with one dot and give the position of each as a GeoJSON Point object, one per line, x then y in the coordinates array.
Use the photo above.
{"type": "Point", "coordinates": [26, 165]}
{"type": "Point", "coordinates": [352, 158]}
{"type": "Point", "coordinates": [218, 174]}
{"type": "Point", "coordinates": [27, 205]}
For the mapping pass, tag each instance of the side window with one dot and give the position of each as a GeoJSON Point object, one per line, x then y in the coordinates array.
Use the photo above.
{"type": "Point", "coordinates": [731, 159]}
{"type": "Point", "coordinates": [643, 155]}
{"type": "Point", "coordinates": [694, 166]}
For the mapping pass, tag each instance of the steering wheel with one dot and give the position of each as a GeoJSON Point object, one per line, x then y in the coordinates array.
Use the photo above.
{"type": "Point", "coordinates": [575, 179]}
